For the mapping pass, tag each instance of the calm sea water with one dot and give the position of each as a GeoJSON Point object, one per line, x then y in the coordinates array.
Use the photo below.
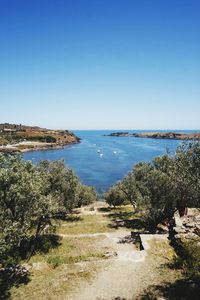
{"type": "Point", "coordinates": [100, 161]}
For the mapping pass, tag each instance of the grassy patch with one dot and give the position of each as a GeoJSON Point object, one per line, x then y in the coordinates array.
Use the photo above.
{"type": "Point", "coordinates": [55, 283]}
{"type": "Point", "coordinates": [162, 249]}
{"type": "Point", "coordinates": [71, 250]}
{"type": "Point", "coordinates": [57, 273]}
{"type": "Point", "coordinates": [87, 224]}
{"type": "Point", "coordinates": [95, 223]}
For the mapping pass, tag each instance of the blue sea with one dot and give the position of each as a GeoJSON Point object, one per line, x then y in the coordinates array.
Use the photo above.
{"type": "Point", "coordinates": [100, 160]}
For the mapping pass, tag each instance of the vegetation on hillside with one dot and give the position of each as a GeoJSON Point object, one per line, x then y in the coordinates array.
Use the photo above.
{"type": "Point", "coordinates": [13, 133]}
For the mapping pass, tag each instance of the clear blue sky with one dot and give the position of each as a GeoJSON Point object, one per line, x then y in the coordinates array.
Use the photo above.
{"type": "Point", "coordinates": [100, 64]}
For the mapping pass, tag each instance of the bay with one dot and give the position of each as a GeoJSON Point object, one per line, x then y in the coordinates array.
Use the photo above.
{"type": "Point", "coordinates": [101, 161]}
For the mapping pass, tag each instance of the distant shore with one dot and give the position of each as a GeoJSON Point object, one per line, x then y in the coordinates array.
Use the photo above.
{"type": "Point", "coordinates": [158, 135]}
{"type": "Point", "coordinates": [33, 146]}
{"type": "Point", "coordinates": [16, 138]}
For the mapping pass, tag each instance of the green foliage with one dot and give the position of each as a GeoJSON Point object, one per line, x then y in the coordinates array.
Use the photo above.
{"type": "Point", "coordinates": [66, 187]}
{"type": "Point", "coordinates": [62, 183]}
{"type": "Point", "coordinates": [161, 187]}
{"type": "Point", "coordinates": [24, 203]}
{"type": "Point", "coordinates": [115, 196]}
{"type": "Point", "coordinates": [39, 138]}
{"type": "Point", "coordinates": [29, 196]}
{"type": "Point", "coordinates": [186, 175]}
{"type": "Point", "coordinates": [85, 195]}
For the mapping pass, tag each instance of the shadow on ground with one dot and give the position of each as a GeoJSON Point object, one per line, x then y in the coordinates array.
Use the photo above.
{"type": "Point", "coordinates": [14, 275]}
{"type": "Point", "coordinates": [182, 289]}
{"type": "Point", "coordinates": [46, 242]}
{"type": "Point", "coordinates": [68, 218]}
{"type": "Point", "coordinates": [179, 290]}
{"type": "Point", "coordinates": [127, 220]}
{"type": "Point", "coordinates": [108, 209]}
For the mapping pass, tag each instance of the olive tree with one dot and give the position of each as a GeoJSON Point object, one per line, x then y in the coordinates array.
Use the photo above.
{"type": "Point", "coordinates": [65, 186]}
{"type": "Point", "coordinates": [25, 204]}
{"type": "Point", "coordinates": [167, 184]}
{"type": "Point", "coordinates": [115, 196]}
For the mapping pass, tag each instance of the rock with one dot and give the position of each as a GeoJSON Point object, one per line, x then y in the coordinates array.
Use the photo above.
{"type": "Point", "coordinates": [190, 235]}
{"type": "Point", "coordinates": [197, 219]}
{"type": "Point", "coordinates": [179, 229]}
{"type": "Point", "coordinates": [110, 254]}
{"type": "Point", "coordinates": [40, 266]}
{"type": "Point", "coordinates": [190, 224]}
{"type": "Point", "coordinates": [197, 229]}
{"type": "Point", "coordinates": [27, 266]}
{"type": "Point", "coordinates": [178, 220]}
{"type": "Point", "coordinates": [179, 236]}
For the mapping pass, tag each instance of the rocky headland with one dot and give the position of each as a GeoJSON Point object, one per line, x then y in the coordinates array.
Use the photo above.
{"type": "Point", "coordinates": [21, 138]}
{"type": "Point", "coordinates": [159, 135]}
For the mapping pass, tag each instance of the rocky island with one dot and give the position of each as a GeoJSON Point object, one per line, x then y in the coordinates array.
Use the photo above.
{"type": "Point", "coordinates": [21, 138]}
{"type": "Point", "coordinates": [159, 135]}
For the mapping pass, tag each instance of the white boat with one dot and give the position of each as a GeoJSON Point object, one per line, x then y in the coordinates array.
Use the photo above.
{"type": "Point", "coordinates": [98, 150]}
{"type": "Point", "coordinates": [101, 154]}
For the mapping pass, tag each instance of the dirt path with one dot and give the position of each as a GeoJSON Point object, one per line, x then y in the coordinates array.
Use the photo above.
{"type": "Point", "coordinates": [128, 272]}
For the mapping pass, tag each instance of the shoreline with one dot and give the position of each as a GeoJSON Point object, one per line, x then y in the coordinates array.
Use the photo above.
{"type": "Point", "coordinates": [13, 149]}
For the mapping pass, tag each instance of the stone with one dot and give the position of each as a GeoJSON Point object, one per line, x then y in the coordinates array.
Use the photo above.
{"type": "Point", "coordinates": [179, 229]}
{"type": "Point", "coordinates": [190, 235]}
{"type": "Point", "coordinates": [110, 254]}
{"type": "Point", "coordinates": [190, 224]}
{"type": "Point", "coordinates": [40, 266]}
{"type": "Point", "coordinates": [27, 266]}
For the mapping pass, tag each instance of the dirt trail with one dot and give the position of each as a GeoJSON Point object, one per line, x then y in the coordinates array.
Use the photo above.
{"type": "Point", "coordinates": [127, 274]}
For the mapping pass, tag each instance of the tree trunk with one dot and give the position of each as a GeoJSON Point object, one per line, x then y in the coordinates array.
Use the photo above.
{"type": "Point", "coordinates": [35, 238]}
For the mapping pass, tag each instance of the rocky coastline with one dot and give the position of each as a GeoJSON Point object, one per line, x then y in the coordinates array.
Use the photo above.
{"type": "Point", "coordinates": [158, 135]}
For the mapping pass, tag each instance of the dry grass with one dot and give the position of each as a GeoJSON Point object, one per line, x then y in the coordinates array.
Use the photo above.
{"type": "Point", "coordinates": [94, 223]}
{"type": "Point", "coordinates": [163, 255]}
{"type": "Point", "coordinates": [58, 272]}
{"type": "Point", "coordinates": [87, 224]}
{"type": "Point", "coordinates": [55, 283]}
{"type": "Point", "coordinates": [71, 250]}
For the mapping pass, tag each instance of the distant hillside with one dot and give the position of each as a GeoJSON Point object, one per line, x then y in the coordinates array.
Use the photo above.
{"type": "Point", "coordinates": [12, 134]}
{"type": "Point", "coordinates": [159, 135]}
